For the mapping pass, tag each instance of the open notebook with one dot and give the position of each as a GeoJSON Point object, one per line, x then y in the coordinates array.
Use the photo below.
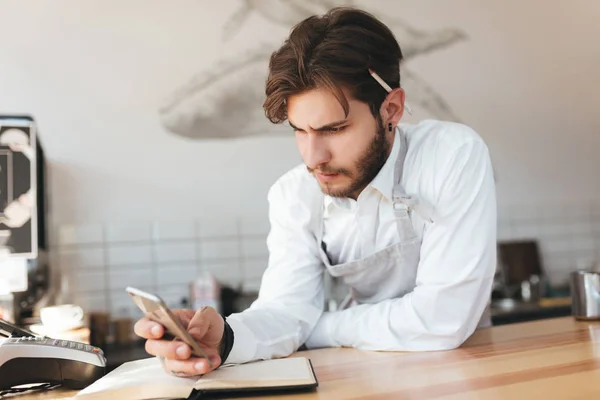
{"type": "Point", "coordinates": [146, 379]}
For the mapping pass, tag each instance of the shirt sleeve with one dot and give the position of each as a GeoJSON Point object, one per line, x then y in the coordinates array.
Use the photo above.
{"type": "Point", "coordinates": [454, 276]}
{"type": "Point", "coordinates": [291, 296]}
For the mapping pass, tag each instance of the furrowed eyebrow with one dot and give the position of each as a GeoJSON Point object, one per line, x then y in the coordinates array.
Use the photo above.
{"type": "Point", "coordinates": [294, 126]}
{"type": "Point", "coordinates": [321, 128]}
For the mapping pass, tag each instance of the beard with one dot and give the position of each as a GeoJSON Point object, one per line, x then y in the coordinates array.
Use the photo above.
{"type": "Point", "coordinates": [366, 167]}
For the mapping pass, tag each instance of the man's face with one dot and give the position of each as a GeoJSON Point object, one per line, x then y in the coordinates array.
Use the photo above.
{"type": "Point", "coordinates": [344, 154]}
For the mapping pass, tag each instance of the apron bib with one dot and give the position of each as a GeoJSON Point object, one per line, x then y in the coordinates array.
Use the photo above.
{"type": "Point", "coordinates": [391, 272]}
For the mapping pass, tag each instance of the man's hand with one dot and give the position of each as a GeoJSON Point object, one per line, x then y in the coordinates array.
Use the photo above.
{"type": "Point", "coordinates": [206, 326]}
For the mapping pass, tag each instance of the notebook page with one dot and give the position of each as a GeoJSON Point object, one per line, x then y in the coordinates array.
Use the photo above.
{"type": "Point", "coordinates": [276, 372]}
{"type": "Point", "coordinates": [141, 379]}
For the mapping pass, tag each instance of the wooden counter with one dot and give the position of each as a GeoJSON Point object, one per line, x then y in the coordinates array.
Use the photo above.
{"type": "Point", "coordinates": [549, 359]}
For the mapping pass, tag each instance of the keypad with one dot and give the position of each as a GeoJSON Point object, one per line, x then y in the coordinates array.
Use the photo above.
{"type": "Point", "coordinates": [54, 342]}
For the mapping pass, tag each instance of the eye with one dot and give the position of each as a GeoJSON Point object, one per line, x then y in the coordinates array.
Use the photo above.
{"type": "Point", "coordinates": [337, 129]}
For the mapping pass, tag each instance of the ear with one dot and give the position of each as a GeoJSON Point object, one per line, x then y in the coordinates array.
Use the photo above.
{"type": "Point", "coordinates": [392, 107]}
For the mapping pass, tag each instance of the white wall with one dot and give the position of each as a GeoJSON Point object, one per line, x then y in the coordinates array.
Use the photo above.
{"type": "Point", "coordinates": [94, 73]}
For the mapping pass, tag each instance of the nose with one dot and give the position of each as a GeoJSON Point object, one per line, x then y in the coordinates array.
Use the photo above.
{"type": "Point", "coordinates": [315, 151]}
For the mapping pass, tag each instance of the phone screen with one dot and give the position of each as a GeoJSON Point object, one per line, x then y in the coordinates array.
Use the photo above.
{"type": "Point", "coordinates": [156, 310]}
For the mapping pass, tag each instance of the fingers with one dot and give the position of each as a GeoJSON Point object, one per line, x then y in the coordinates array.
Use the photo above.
{"type": "Point", "coordinates": [148, 329]}
{"type": "Point", "coordinates": [192, 367]}
{"type": "Point", "coordinates": [175, 350]}
{"type": "Point", "coordinates": [205, 326]}
{"type": "Point", "coordinates": [152, 330]}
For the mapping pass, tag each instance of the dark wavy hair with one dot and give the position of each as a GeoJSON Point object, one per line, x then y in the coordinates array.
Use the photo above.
{"type": "Point", "coordinates": [333, 51]}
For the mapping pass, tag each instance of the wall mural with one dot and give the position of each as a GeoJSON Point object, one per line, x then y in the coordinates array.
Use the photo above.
{"type": "Point", "coordinates": [226, 100]}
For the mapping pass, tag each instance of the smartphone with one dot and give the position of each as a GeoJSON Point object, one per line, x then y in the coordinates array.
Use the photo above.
{"type": "Point", "coordinates": [156, 309]}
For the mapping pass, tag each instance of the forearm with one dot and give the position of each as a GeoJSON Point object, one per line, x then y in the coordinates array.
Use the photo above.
{"type": "Point", "coordinates": [418, 321]}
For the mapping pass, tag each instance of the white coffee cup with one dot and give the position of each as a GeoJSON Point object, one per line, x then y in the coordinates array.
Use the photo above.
{"type": "Point", "coordinates": [62, 317]}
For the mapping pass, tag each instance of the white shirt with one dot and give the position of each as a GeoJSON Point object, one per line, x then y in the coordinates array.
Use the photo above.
{"type": "Point", "coordinates": [447, 166]}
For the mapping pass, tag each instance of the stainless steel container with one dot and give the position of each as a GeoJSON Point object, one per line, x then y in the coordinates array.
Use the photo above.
{"type": "Point", "coordinates": [585, 295]}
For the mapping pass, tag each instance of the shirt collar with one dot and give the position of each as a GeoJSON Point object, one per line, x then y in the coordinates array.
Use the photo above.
{"type": "Point", "coordinates": [383, 181]}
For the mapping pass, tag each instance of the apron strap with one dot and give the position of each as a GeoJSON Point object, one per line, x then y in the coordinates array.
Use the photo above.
{"type": "Point", "coordinates": [404, 204]}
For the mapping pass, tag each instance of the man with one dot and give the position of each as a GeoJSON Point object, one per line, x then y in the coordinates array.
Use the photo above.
{"type": "Point", "coordinates": [403, 215]}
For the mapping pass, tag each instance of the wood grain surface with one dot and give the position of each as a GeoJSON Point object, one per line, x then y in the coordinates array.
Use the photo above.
{"type": "Point", "coordinates": [549, 359]}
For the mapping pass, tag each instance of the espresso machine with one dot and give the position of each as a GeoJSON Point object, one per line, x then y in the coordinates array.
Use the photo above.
{"type": "Point", "coordinates": [24, 261]}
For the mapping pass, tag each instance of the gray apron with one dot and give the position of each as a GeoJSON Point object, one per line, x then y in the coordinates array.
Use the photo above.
{"type": "Point", "coordinates": [391, 272]}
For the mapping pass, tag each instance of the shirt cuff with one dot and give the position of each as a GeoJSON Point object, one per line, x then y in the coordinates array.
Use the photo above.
{"type": "Point", "coordinates": [244, 343]}
{"type": "Point", "coordinates": [322, 334]}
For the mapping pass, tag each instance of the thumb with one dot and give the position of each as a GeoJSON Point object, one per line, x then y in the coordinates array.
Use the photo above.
{"type": "Point", "coordinates": [207, 326]}
{"type": "Point", "coordinates": [199, 324]}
